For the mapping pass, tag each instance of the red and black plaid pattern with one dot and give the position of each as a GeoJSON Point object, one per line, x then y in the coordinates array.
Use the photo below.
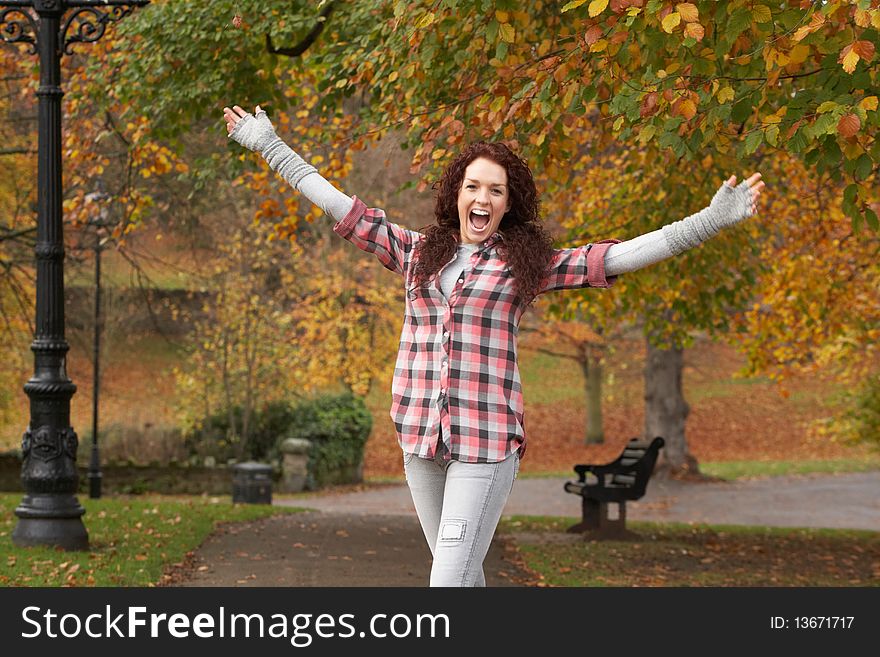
{"type": "Point", "coordinates": [456, 378]}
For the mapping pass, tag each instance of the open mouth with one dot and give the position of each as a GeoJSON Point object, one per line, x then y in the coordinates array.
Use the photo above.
{"type": "Point", "coordinates": [479, 220]}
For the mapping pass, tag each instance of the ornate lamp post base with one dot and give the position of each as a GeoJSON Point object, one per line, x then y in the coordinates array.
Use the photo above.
{"type": "Point", "coordinates": [66, 529]}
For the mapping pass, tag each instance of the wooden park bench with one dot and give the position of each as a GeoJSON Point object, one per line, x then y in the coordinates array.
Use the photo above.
{"type": "Point", "coordinates": [625, 478]}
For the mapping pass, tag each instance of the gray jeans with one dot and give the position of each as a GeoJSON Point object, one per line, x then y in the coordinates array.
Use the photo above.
{"type": "Point", "coordinates": [459, 506]}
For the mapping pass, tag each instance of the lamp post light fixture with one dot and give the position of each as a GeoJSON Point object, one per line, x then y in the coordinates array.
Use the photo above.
{"type": "Point", "coordinates": [49, 513]}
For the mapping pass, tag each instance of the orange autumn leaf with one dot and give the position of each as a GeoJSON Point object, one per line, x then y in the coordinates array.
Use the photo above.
{"type": "Point", "coordinates": [685, 108]}
{"type": "Point", "coordinates": [592, 35]}
{"type": "Point", "coordinates": [695, 31]}
{"type": "Point", "coordinates": [848, 125]}
{"type": "Point", "coordinates": [864, 49]}
{"type": "Point", "coordinates": [816, 21]}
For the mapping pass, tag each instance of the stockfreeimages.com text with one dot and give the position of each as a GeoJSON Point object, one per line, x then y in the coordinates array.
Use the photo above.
{"type": "Point", "coordinates": [300, 629]}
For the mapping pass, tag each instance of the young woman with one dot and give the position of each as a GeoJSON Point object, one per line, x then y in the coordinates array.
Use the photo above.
{"type": "Point", "coordinates": [456, 396]}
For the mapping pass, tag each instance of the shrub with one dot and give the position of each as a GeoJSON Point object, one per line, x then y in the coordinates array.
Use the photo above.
{"type": "Point", "coordinates": [338, 427]}
{"type": "Point", "coordinates": [215, 437]}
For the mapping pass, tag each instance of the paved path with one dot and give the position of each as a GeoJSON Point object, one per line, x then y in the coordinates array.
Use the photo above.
{"type": "Point", "coordinates": [836, 501]}
{"type": "Point", "coordinates": [372, 538]}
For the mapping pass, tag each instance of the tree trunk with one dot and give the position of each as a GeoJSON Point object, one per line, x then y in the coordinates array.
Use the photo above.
{"type": "Point", "coordinates": [666, 411]}
{"type": "Point", "coordinates": [592, 368]}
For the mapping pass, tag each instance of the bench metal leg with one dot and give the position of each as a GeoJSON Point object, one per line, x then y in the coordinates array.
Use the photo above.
{"type": "Point", "coordinates": [596, 521]}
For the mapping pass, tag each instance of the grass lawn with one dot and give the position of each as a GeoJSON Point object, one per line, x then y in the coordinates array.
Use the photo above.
{"type": "Point", "coordinates": [132, 540]}
{"type": "Point", "coordinates": [673, 554]}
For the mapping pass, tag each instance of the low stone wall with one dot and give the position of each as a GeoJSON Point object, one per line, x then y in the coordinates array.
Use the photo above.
{"type": "Point", "coordinates": [170, 479]}
{"type": "Point", "coordinates": [183, 479]}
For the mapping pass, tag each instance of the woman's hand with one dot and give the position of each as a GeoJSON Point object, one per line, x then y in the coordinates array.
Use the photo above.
{"type": "Point", "coordinates": [253, 131]}
{"type": "Point", "coordinates": [755, 185]}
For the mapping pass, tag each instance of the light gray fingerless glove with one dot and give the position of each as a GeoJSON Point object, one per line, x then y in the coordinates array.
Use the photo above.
{"type": "Point", "coordinates": [730, 205]}
{"type": "Point", "coordinates": [257, 134]}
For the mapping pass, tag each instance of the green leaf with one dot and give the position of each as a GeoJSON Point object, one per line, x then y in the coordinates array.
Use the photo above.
{"type": "Point", "coordinates": [742, 110]}
{"type": "Point", "coordinates": [797, 142]}
{"type": "Point", "coordinates": [825, 124]}
{"type": "Point", "coordinates": [739, 21]}
{"type": "Point", "coordinates": [753, 140]}
{"type": "Point", "coordinates": [864, 166]}
{"type": "Point", "coordinates": [492, 31]}
{"type": "Point", "coordinates": [871, 219]}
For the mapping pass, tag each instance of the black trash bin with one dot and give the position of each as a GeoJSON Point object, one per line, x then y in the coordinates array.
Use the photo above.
{"type": "Point", "coordinates": [252, 483]}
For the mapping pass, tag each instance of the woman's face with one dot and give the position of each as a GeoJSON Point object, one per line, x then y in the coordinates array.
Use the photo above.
{"type": "Point", "coordinates": [482, 200]}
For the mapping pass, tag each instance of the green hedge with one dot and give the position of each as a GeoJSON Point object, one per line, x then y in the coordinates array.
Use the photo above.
{"type": "Point", "coordinates": [216, 438]}
{"type": "Point", "coordinates": [338, 427]}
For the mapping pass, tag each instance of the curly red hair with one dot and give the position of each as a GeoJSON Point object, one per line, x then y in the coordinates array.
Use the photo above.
{"type": "Point", "coordinates": [525, 245]}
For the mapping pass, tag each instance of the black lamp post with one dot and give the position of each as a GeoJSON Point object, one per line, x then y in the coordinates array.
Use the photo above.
{"type": "Point", "coordinates": [49, 513]}
{"type": "Point", "coordinates": [98, 222]}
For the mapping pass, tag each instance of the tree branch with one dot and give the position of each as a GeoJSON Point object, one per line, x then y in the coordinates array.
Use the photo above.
{"type": "Point", "coordinates": [11, 234]}
{"type": "Point", "coordinates": [310, 38]}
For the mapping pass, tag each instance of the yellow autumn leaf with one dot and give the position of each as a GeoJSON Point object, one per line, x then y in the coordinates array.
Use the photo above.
{"type": "Point", "coordinates": [725, 94]}
{"type": "Point", "coordinates": [426, 20]}
{"type": "Point", "coordinates": [849, 60]}
{"type": "Point", "coordinates": [761, 14]}
{"type": "Point", "coordinates": [688, 11]}
{"type": "Point", "coordinates": [827, 106]}
{"type": "Point", "coordinates": [671, 21]}
{"type": "Point", "coordinates": [799, 53]}
{"type": "Point", "coordinates": [597, 7]}
{"type": "Point", "coordinates": [773, 118]}
{"type": "Point", "coordinates": [508, 34]}
{"type": "Point", "coordinates": [574, 4]}
{"type": "Point", "coordinates": [502, 16]}
{"type": "Point", "coordinates": [852, 150]}
{"type": "Point", "coordinates": [687, 108]}
{"type": "Point", "coordinates": [869, 103]}
{"type": "Point", "coordinates": [599, 46]}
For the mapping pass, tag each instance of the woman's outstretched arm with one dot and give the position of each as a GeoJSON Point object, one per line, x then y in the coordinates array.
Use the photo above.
{"type": "Point", "coordinates": [255, 132]}
{"type": "Point", "coordinates": [732, 203]}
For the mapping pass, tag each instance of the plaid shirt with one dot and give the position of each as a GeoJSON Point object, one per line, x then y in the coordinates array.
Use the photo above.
{"type": "Point", "coordinates": [456, 378]}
